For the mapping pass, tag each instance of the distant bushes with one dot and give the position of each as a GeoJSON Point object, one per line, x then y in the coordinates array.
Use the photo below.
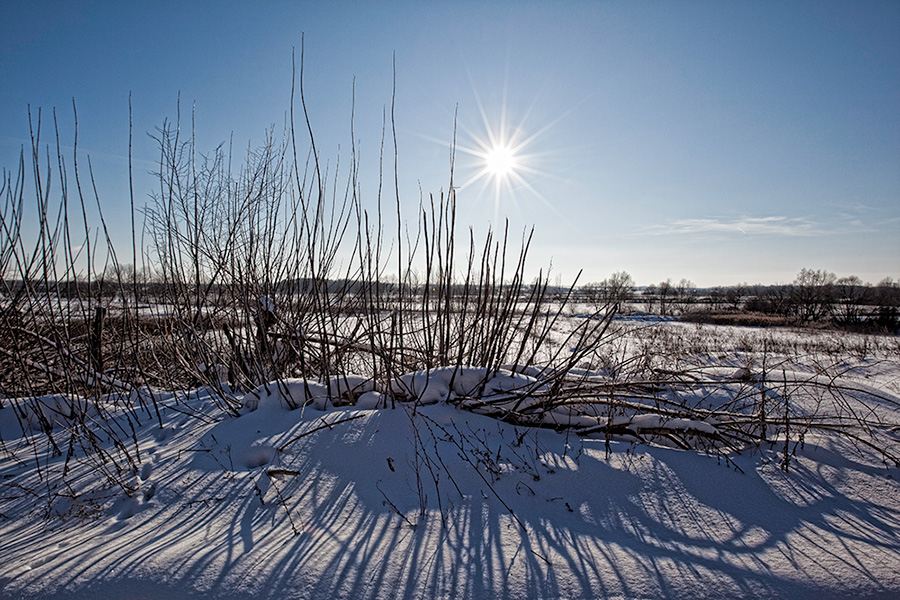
{"type": "Point", "coordinates": [816, 298]}
{"type": "Point", "coordinates": [744, 318]}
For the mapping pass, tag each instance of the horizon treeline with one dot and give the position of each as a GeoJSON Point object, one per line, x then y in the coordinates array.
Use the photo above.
{"type": "Point", "coordinates": [814, 297]}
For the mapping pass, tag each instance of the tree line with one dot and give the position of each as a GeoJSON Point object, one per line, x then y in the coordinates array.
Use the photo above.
{"type": "Point", "coordinates": [813, 298]}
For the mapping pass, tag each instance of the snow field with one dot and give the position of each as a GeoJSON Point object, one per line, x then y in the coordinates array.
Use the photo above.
{"type": "Point", "coordinates": [319, 489]}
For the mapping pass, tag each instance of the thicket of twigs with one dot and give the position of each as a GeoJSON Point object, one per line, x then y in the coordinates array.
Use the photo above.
{"type": "Point", "coordinates": [274, 271]}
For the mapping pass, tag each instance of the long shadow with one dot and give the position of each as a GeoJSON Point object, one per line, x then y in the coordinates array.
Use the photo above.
{"type": "Point", "coordinates": [343, 520]}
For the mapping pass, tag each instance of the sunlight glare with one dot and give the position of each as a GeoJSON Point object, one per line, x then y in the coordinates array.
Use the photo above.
{"type": "Point", "coordinates": [500, 161]}
{"type": "Point", "coordinates": [503, 156]}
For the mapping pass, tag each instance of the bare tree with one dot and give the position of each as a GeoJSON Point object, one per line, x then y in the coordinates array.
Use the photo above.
{"type": "Point", "coordinates": [812, 294]}
{"type": "Point", "coordinates": [619, 287]}
{"type": "Point", "coordinates": [734, 295]}
{"type": "Point", "coordinates": [851, 295]}
{"type": "Point", "coordinates": [666, 296]}
{"type": "Point", "coordinates": [887, 299]}
{"type": "Point", "coordinates": [650, 296]}
{"type": "Point", "coordinates": [685, 295]}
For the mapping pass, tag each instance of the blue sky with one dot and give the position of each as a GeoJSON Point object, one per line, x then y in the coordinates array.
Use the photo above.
{"type": "Point", "coordinates": [720, 142]}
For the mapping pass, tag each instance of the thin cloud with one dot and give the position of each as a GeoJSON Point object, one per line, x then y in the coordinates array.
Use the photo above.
{"type": "Point", "coordinates": [781, 226]}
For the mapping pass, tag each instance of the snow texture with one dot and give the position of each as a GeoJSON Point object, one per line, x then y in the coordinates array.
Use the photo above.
{"type": "Point", "coordinates": [309, 495]}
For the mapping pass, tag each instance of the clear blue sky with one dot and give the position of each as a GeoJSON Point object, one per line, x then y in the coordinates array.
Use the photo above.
{"type": "Point", "coordinates": [716, 141]}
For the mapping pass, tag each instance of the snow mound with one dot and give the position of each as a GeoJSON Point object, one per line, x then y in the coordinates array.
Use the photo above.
{"type": "Point", "coordinates": [435, 385]}
{"type": "Point", "coordinates": [287, 394]}
{"type": "Point", "coordinates": [51, 411]}
{"type": "Point", "coordinates": [500, 389]}
{"type": "Point", "coordinates": [372, 400]}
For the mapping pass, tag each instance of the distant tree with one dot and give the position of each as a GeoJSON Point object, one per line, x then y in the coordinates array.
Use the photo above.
{"type": "Point", "coordinates": [771, 300]}
{"type": "Point", "coordinates": [851, 294]}
{"type": "Point", "coordinates": [812, 294]}
{"type": "Point", "coordinates": [650, 297]}
{"type": "Point", "coordinates": [734, 295]}
{"type": "Point", "coordinates": [716, 298]}
{"type": "Point", "coordinates": [685, 295]}
{"type": "Point", "coordinates": [665, 293]}
{"type": "Point", "coordinates": [759, 302]}
{"type": "Point", "coordinates": [592, 292]}
{"type": "Point", "coordinates": [619, 288]}
{"type": "Point", "coordinates": [781, 297]}
{"type": "Point", "coordinates": [615, 290]}
{"type": "Point", "coordinates": [887, 298]}
{"type": "Point", "coordinates": [113, 280]}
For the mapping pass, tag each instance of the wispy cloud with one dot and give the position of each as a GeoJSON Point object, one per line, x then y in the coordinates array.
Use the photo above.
{"type": "Point", "coordinates": [783, 226]}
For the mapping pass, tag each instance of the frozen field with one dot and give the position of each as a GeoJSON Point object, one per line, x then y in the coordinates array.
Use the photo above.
{"type": "Point", "coordinates": [630, 490]}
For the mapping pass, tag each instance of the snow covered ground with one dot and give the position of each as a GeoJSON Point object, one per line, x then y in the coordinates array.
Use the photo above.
{"type": "Point", "coordinates": [428, 500]}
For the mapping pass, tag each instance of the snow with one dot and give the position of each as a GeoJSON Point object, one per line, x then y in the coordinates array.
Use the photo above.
{"type": "Point", "coordinates": [52, 411]}
{"type": "Point", "coordinates": [319, 489]}
{"type": "Point", "coordinates": [267, 304]}
{"type": "Point", "coordinates": [287, 394]}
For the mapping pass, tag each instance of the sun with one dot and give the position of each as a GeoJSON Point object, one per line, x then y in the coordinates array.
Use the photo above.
{"type": "Point", "coordinates": [504, 156]}
{"type": "Point", "coordinates": [500, 161]}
